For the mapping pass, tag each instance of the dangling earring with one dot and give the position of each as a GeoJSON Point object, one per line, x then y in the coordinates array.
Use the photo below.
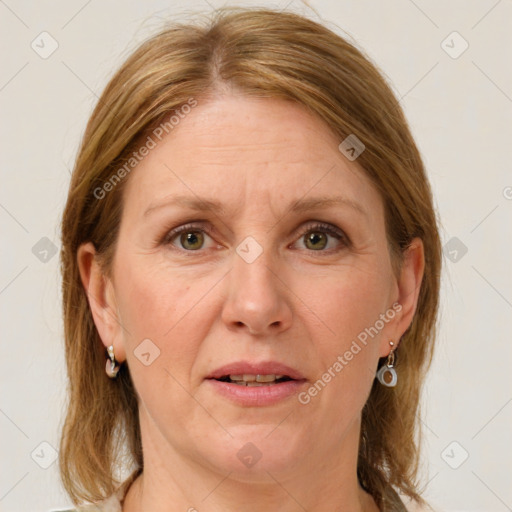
{"type": "Point", "coordinates": [112, 367]}
{"type": "Point", "coordinates": [387, 373]}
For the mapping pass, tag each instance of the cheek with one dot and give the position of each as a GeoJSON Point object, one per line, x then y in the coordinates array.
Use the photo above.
{"type": "Point", "coordinates": [347, 304]}
{"type": "Point", "coordinates": [157, 300]}
{"type": "Point", "coordinates": [347, 338]}
{"type": "Point", "coordinates": [163, 307]}
{"type": "Point", "coordinates": [173, 313]}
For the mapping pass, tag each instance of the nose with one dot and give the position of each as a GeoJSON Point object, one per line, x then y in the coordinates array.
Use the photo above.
{"type": "Point", "coordinates": [257, 301]}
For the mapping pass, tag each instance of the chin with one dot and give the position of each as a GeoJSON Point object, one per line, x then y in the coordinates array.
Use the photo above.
{"type": "Point", "coordinates": [255, 451]}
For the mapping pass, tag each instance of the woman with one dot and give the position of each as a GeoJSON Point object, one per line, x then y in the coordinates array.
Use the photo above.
{"type": "Point", "coordinates": [249, 245]}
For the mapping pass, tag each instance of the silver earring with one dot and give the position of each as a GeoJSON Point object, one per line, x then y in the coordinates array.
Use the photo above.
{"type": "Point", "coordinates": [386, 375]}
{"type": "Point", "coordinates": [112, 367]}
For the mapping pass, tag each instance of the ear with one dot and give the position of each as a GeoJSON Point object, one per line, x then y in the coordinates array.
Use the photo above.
{"type": "Point", "coordinates": [101, 296]}
{"type": "Point", "coordinates": [408, 285]}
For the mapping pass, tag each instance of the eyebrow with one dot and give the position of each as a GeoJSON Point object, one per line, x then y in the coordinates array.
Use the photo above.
{"type": "Point", "coordinates": [318, 203]}
{"type": "Point", "coordinates": [192, 203]}
{"type": "Point", "coordinates": [297, 206]}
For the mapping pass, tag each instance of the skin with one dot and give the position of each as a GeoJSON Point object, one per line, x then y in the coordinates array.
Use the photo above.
{"type": "Point", "coordinates": [204, 306]}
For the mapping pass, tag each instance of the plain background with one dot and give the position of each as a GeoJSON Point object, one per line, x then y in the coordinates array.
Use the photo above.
{"type": "Point", "coordinates": [460, 109]}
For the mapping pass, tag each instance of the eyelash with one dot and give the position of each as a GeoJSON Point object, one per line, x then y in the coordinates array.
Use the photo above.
{"type": "Point", "coordinates": [317, 227]}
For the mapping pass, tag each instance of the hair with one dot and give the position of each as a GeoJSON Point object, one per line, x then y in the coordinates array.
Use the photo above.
{"type": "Point", "coordinates": [266, 54]}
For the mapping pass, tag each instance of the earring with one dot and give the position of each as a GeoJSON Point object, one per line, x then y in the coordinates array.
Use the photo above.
{"type": "Point", "coordinates": [386, 375]}
{"type": "Point", "coordinates": [112, 367]}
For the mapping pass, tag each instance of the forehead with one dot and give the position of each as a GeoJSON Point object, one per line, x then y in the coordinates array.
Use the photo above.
{"type": "Point", "coordinates": [237, 148]}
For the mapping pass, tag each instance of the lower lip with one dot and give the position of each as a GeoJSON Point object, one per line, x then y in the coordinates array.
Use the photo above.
{"type": "Point", "coordinates": [257, 395]}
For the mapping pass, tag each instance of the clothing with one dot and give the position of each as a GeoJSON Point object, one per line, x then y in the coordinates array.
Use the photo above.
{"type": "Point", "coordinates": [115, 502]}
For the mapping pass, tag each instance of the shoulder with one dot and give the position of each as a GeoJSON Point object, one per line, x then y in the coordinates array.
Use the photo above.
{"type": "Point", "coordinates": [395, 502]}
{"type": "Point", "coordinates": [413, 506]}
{"type": "Point", "coordinates": [110, 504]}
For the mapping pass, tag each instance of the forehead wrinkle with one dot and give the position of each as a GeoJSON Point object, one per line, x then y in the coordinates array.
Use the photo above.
{"type": "Point", "coordinates": [215, 206]}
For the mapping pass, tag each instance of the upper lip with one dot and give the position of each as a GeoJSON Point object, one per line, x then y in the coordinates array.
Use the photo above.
{"type": "Point", "coordinates": [251, 368]}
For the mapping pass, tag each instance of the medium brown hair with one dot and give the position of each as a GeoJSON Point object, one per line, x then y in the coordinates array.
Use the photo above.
{"type": "Point", "coordinates": [261, 53]}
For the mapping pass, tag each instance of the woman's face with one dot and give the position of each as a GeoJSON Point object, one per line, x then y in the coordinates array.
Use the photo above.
{"type": "Point", "coordinates": [280, 267]}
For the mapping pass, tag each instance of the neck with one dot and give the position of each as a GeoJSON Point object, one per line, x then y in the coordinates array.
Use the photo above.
{"type": "Point", "coordinates": [171, 483]}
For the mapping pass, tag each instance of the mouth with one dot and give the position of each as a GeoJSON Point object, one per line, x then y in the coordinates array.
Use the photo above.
{"type": "Point", "coordinates": [245, 373]}
{"type": "Point", "coordinates": [252, 380]}
{"type": "Point", "coordinates": [256, 384]}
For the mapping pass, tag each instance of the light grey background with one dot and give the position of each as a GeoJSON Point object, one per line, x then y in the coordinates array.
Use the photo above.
{"type": "Point", "coordinates": [460, 111]}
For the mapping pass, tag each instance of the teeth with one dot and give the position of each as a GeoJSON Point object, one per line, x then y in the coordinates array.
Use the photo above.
{"type": "Point", "coordinates": [265, 378]}
{"type": "Point", "coordinates": [254, 380]}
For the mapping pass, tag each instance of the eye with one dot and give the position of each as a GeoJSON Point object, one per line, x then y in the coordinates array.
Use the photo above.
{"type": "Point", "coordinates": [323, 238]}
{"type": "Point", "coordinates": [188, 237]}
{"type": "Point", "coordinates": [319, 237]}
{"type": "Point", "coordinates": [192, 240]}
